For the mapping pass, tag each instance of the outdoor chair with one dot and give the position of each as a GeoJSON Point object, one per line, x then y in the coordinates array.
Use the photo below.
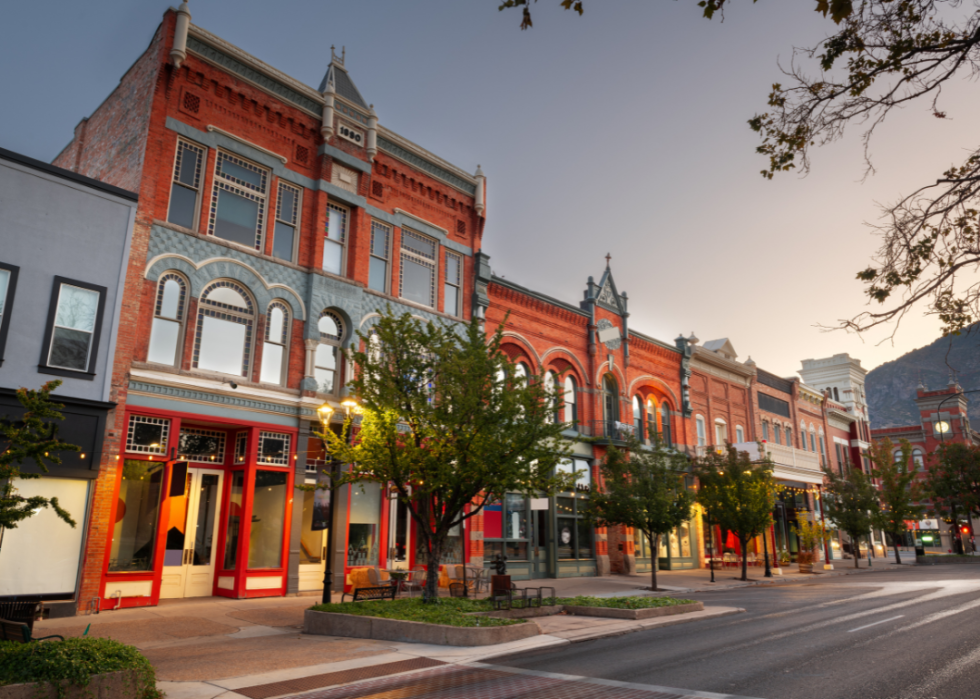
{"type": "Point", "coordinates": [729, 559]}
{"type": "Point", "coordinates": [19, 632]}
{"type": "Point", "coordinates": [415, 582]}
{"type": "Point", "coordinates": [376, 578]}
{"type": "Point", "coordinates": [23, 609]}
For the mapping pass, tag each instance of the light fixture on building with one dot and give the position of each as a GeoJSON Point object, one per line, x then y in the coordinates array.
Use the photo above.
{"type": "Point", "coordinates": [942, 427]}
{"type": "Point", "coordinates": [324, 412]}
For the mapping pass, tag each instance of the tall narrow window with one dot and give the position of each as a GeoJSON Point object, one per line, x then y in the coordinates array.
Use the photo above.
{"type": "Point", "coordinates": [8, 283]}
{"type": "Point", "coordinates": [378, 266]}
{"type": "Point", "coordinates": [702, 436]}
{"type": "Point", "coordinates": [571, 414]}
{"type": "Point", "coordinates": [721, 432]}
{"type": "Point", "coordinates": [918, 461]}
{"type": "Point", "coordinates": [813, 442]}
{"type": "Point", "coordinates": [836, 395]}
{"type": "Point", "coordinates": [168, 319]}
{"type": "Point", "coordinates": [765, 431]}
{"type": "Point", "coordinates": [789, 436]}
{"type": "Point", "coordinates": [186, 185]}
{"type": "Point", "coordinates": [274, 349]}
{"type": "Point", "coordinates": [287, 222]}
{"type": "Point", "coordinates": [778, 434]}
{"type": "Point", "coordinates": [551, 395]}
{"type": "Point", "coordinates": [238, 202]}
{"type": "Point", "coordinates": [75, 319]}
{"type": "Point", "coordinates": [454, 279]}
{"type": "Point", "coordinates": [665, 424]}
{"type": "Point", "coordinates": [638, 417]}
{"type": "Point", "coordinates": [334, 239]}
{"type": "Point", "coordinates": [327, 362]}
{"type": "Point", "coordinates": [418, 269]}
{"type": "Point", "coordinates": [610, 400]}
{"type": "Point", "coordinates": [739, 434]}
{"type": "Point", "coordinates": [225, 319]}
{"type": "Point", "coordinates": [651, 427]}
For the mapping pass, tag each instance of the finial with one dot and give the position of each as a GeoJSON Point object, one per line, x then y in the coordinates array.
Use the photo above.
{"type": "Point", "coordinates": [608, 258]}
{"type": "Point", "coordinates": [693, 339]}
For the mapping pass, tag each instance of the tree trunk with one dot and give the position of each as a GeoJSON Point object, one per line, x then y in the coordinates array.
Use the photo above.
{"type": "Point", "coordinates": [654, 560]}
{"type": "Point", "coordinates": [898, 558]}
{"type": "Point", "coordinates": [856, 545]}
{"type": "Point", "coordinates": [431, 593]}
{"type": "Point", "coordinates": [745, 562]}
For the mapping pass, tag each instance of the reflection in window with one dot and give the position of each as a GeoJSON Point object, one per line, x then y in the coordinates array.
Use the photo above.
{"type": "Point", "coordinates": [168, 316]}
{"type": "Point", "coordinates": [74, 328]}
{"type": "Point", "coordinates": [137, 513]}
{"type": "Point", "coordinates": [224, 329]}
{"type": "Point", "coordinates": [378, 265]}
{"type": "Point", "coordinates": [268, 520]}
{"type": "Point", "coordinates": [186, 185]}
{"type": "Point", "coordinates": [364, 525]}
{"type": "Point", "coordinates": [235, 513]}
{"type": "Point", "coordinates": [418, 269]}
{"type": "Point", "coordinates": [147, 435]}
{"type": "Point", "coordinates": [665, 424]}
{"type": "Point", "coordinates": [4, 283]}
{"type": "Point", "coordinates": [638, 417]}
{"type": "Point", "coordinates": [316, 522]}
{"type": "Point", "coordinates": [571, 414]}
{"type": "Point", "coordinates": [454, 281]}
{"type": "Point", "coordinates": [327, 359]}
{"type": "Point", "coordinates": [238, 203]}
{"type": "Point", "coordinates": [274, 448]}
{"type": "Point", "coordinates": [287, 221]}
{"type": "Point", "coordinates": [201, 446]}
{"type": "Point", "coordinates": [334, 238]}
{"type": "Point", "coordinates": [274, 348]}
{"type": "Point", "coordinates": [574, 534]}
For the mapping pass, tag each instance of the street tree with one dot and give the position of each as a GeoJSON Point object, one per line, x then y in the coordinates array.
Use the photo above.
{"type": "Point", "coordinates": [898, 488]}
{"type": "Point", "coordinates": [643, 488]}
{"type": "Point", "coordinates": [880, 56]}
{"type": "Point", "coordinates": [849, 502]}
{"type": "Point", "coordinates": [448, 424]}
{"type": "Point", "coordinates": [738, 494]}
{"type": "Point", "coordinates": [953, 484]}
{"type": "Point", "coordinates": [30, 438]}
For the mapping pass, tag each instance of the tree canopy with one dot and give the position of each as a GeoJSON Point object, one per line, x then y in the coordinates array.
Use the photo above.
{"type": "Point", "coordinates": [850, 501]}
{"type": "Point", "coordinates": [644, 489]}
{"type": "Point", "coordinates": [448, 424]}
{"type": "Point", "coordinates": [953, 483]}
{"type": "Point", "coordinates": [898, 488]}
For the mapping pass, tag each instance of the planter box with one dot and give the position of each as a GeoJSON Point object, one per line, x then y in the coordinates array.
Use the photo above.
{"type": "Point", "coordinates": [945, 560]}
{"type": "Point", "coordinates": [112, 685]}
{"type": "Point", "coordinates": [648, 613]}
{"type": "Point", "coordinates": [353, 626]}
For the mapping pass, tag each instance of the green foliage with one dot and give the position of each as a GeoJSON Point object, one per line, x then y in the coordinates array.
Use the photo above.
{"type": "Point", "coordinates": [953, 483]}
{"type": "Point", "coordinates": [454, 611]}
{"type": "Point", "coordinates": [850, 502]}
{"type": "Point", "coordinates": [737, 494]}
{"type": "Point", "coordinates": [622, 602]}
{"type": "Point", "coordinates": [898, 489]}
{"type": "Point", "coordinates": [810, 534]}
{"type": "Point", "coordinates": [73, 662]}
{"type": "Point", "coordinates": [32, 438]}
{"type": "Point", "coordinates": [449, 424]}
{"type": "Point", "coordinates": [644, 489]}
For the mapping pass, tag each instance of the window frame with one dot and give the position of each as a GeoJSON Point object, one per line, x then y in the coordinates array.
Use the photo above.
{"type": "Point", "coordinates": [665, 427]}
{"type": "Point", "coordinates": [247, 191]}
{"type": "Point", "coordinates": [332, 341]}
{"type": "Point", "coordinates": [284, 362]}
{"type": "Point", "coordinates": [569, 407]}
{"type": "Point", "coordinates": [724, 426]}
{"type": "Point", "coordinates": [701, 430]}
{"type": "Point", "coordinates": [181, 319]}
{"type": "Point", "coordinates": [201, 165]}
{"type": "Point", "coordinates": [740, 434]}
{"type": "Point", "coordinates": [93, 356]}
{"type": "Point", "coordinates": [249, 316]}
{"type": "Point", "coordinates": [346, 210]}
{"type": "Point", "coordinates": [422, 260]}
{"type": "Point", "coordinates": [297, 217]}
{"type": "Point", "coordinates": [8, 304]}
{"type": "Point", "coordinates": [458, 284]}
{"type": "Point", "coordinates": [389, 232]}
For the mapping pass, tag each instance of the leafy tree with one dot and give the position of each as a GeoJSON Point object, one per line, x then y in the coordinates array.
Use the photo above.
{"type": "Point", "coordinates": [644, 489]}
{"type": "Point", "coordinates": [953, 483]}
{"type": "Point", "coordinates": [448, 424]}
{"type": "Point", "coordinates": [33, 437]}
{"type": "Point", "coordinates": [880, 56]}
{"type": "Point", "coordinates": [850, 501]}
{"type": "Point", "coordinates": [739, 495]}
{"type": "Point", "coordinates": [898, 489]}
{"type": "Point", "coordinates": [810, 535]}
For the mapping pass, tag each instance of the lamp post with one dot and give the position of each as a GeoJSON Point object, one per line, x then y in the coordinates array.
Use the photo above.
{"type": "Point", "coordinates": [765, 552]}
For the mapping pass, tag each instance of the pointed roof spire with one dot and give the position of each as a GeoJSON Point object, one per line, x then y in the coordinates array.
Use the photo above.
{"type": "Point", "coordinates": [608, 259]}
{"type": "Point", "coordinates": [337, 78]}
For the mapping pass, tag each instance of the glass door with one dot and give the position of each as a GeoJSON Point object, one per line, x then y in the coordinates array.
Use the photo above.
{"type": "Point", "coordinates": [313, 539]}
{"type": "Point", "coordinates": [188, 564]}
{"type": "Point", "coordinates": [399, 533]}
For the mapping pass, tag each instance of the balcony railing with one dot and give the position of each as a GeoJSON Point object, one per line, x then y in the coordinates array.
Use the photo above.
{"type": "Point", "coordinates": [791, 456]}
{"type": "Point", "coordinates": [612, 430]}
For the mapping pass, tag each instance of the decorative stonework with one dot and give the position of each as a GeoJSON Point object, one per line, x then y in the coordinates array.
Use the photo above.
{"type": "Point", "coordinates": [613, 343]}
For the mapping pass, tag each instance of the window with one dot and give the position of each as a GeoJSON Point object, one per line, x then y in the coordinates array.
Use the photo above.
{"type": "Point", "coordinates": [418, 269]}
{"type": "Point", "coordinates": [789, 436]}
{"type": "Point", "coordinates": [238, 202]}
{"type": "Point", "coordinates": [186, 185]}
{"type": "Point", "coordinates": [739, 434]}
{"type": "Point", "coordinates": [506, 522]}
{"type": "Point", "coordinates": [71, 341]}
{"type": "Point", "coordinates": [287, 221]}
{"type": "Point", "coordinates": [573, 532]}
{"type": "Point", "coordinates": [327, 360]}
{"type": "Point", "coordinates": [917, 459]}
{"type": "Point", "coordinates": [571, 414]}
{"type": "Point", "coordinates": [147, 435]}
{"type": "Point", "coordinates": [836, 395]}
{"type": "Point", "coordinates": [454, 280]}
{"type": "Point", "coordinates": [201, 446]}
{"type": "Point", "coordinates": [765, 431]}
{"type": "Point", "coordinates": [665, 424]}
{"type": "Point", "coordinates": [702, 436]}
{"type": "Point", "coordinates": [552, 395]}
{"type": "Point", "coordinates": [778, 434]}
{"type": "Point", "coordinates": [334, 239]}
{"type": "Point", "coordinates": [721, 432]}
{"type": "Point", "coordinates": [8, 283]}
{"type": "Point", "coordinates": [813, 443]}
{"type": "Point", "coordinates": [274, 354]}
{"type": "Point", "coordinates": [638, 417]}
{"type": "Point", "coordinates": [168, 319]}
{"type": "Point", "coordinates": [224, 329]}
{"type": "Point", "coordinates": [651, 426]}
{"type": "Point", "coordinates": [378, 266]}
{"type": "Point", "coordinates": [802, 436]}
{"type": "Point", "coordinates": [265, 538]}
{"type": "Point", "coordinates": [364, 524]}
{"type": "Point", "coordinates": [610, 402]}
{"type": "Point", "coordinates": [235, 510]}
{"type": "Point", "coordinates": [822, 452]}
{"type": "Point", "coordinates": [137, 511]}
{"type": "Point", "coordinates": [274, 448]}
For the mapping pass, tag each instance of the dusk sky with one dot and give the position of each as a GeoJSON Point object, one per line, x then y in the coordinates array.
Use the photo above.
{"type": "Point", "coordinates": [622, 131]}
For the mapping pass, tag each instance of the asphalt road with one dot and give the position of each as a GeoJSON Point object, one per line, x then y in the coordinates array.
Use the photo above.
{"type": "Point", "coordinates": [912, 634]}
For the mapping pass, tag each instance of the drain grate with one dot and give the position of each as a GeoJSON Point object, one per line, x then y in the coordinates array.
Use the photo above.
{"type": "Point", "coordinates": [305, 684]}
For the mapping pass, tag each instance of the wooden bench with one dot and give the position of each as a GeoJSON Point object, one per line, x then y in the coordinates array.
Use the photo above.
{"type": "Point", "coordinates": [365, 594]}
{"type": "Point", "coordinates": [19, 632]}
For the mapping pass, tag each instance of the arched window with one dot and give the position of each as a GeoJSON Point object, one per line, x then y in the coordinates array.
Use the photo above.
{"type": "Point", "coordinates": [168, 320]}
{"type": "Point", "coordinates": [721, 432]}
{"type": "Point", "coordinates": [739, 434]}
{"type": "Point", "coordinates": [803, 436]}
{"type": "Point", "coordinates": [898, 456]}
{"type": "Point", "coordinates": [789, 436]}
{"type": "Point", "coordinates": [918, 459]}
{"type": "Point", "coordinates": [651, 417]}
{"type": "Point", "coordinates": [665, 424]}
{"type": "Point", "coordinates": [610, 400]}
{"type": "Point", "coordinates": [778, 433]}
{"type": "Point", "coordinates": [765, 430]}
{"type": "Point", "coordinates": [836, 395]}
{"type": "Point", "coordinates": [326, 366]}
{"type": "Point", "coordinates": [813, 441]}
{"type": "Point", "coordinates": [702, 437]}
{"type": "Point", "coordinates": [571, 409]}
{"type": "Point", "coordinates": [551, 395]}
{"type": "Point", "coordinates": [520, 372]}
{"type": "Point", "coordinates": [274, 351]}
{"type": "Point", "coordinates": [225, 321]}
{"type": "Point", "coordinates": [638, 417]}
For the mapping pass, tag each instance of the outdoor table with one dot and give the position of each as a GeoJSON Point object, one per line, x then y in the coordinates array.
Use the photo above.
{"type": "Point", "coordinates": [398, 576]}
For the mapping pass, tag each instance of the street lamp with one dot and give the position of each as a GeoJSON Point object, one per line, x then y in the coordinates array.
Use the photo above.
{"type": "Point", "coordinates": [324, 412]}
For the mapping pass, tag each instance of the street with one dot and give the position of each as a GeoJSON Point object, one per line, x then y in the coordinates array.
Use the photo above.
{"type": "Point", "coordinates": [907, 634]}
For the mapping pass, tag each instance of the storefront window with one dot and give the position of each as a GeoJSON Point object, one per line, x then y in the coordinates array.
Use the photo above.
{"type": "Point", "coordinates": [234, 519]}
{"type": "Point", "coordinates": [574, 532]}
{"type": "Point", "coordinates": [137, 514]}
{"type": "Point", "coordinates": [316, 521]}
{"type": "Point", "coordinates": [452, 549]}
{"type": "Point", "coordinates": [365, 524]}
{"type": "Point", "coordinates": [641, 543]}
{"type": "Point", "coordinates": [268, 520]}
{"type": "Point", "coordinates": [507, 522]}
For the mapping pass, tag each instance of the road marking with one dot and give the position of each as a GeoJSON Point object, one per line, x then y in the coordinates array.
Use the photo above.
{"type": "Point", "coordinates": [868, 626]}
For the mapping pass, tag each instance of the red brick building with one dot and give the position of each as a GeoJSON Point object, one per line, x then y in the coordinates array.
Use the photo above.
{"type": "Point", "coordinates": [274, 221]}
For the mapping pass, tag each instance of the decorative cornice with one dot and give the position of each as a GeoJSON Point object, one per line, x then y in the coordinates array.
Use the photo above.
{"type": "Point", "coordinates": [188, 395]}
{"type": "Point", "coordinates": [537, 303]}
{"type": "Point", "coordinates": [403, 152]}
{"type": "Point", "coordinates": [707, 357]}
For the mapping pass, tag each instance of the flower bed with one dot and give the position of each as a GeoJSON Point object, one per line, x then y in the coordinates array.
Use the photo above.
{"type": "Point", "coordinates": [449, 612]}
{"type": "Point", "coordinates": [622, 602]}
{"type": "Point", "coordinates": [76, 667]}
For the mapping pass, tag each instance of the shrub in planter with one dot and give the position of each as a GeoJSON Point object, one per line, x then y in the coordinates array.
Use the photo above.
{"type": "Point", "coordinates": [73, 662]}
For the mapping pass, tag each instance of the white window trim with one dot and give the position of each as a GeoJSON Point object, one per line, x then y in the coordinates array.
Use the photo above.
{"type": "Point", "coordinates": [182, 306]}
{"type": "Point", "coordinates": [343, 244]}
{"type": "Point", "coordinates": [740, 433]}
{"type": "Point", "coordinates": [458, 311]}
{"type": "Point", "coordinates": [420, 259]}
{"type": "Point", "coordinates": [202, 164]}
{"type": "Point", "coordinates": [219, 181]}
{"type": "Point", "coordinates": [388, 245]}
{"type": "Point", "coordinates": [701, 430]}
{"type": "Point", "coordinates": [280, 185]}
{"type": "Point", "coordinates": [284, 365]}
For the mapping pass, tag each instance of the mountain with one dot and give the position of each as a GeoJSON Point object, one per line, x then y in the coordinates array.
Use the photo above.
{"type": "Point", "coordinates": [890, 388]}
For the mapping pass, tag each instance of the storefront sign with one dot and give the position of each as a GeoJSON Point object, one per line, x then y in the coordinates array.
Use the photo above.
{"type": "Point", "coordinates": [539, 503]}
{"type": "Point", "coordinates": [321, 508]}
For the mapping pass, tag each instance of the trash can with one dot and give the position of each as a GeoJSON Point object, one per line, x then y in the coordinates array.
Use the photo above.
{"type": "Point", "coordinates": [920, 550]}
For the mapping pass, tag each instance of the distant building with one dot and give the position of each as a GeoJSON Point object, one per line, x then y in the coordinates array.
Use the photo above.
{"type": "Point", "coordinates": [65, 244]}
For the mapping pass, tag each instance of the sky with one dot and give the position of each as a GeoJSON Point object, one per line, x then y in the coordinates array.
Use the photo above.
{"type": "Point", "coordinates": [622, 131]}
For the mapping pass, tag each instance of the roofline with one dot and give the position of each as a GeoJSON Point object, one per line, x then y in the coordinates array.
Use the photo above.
{"type": "Point", "coordinates": [655, 341]}
{"type": "Point", "coordinates": [494, 279]}
{"type": "Point", "coordinates": [67, 174]}
{"type": "Point", "coordinates": [711, 357]}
